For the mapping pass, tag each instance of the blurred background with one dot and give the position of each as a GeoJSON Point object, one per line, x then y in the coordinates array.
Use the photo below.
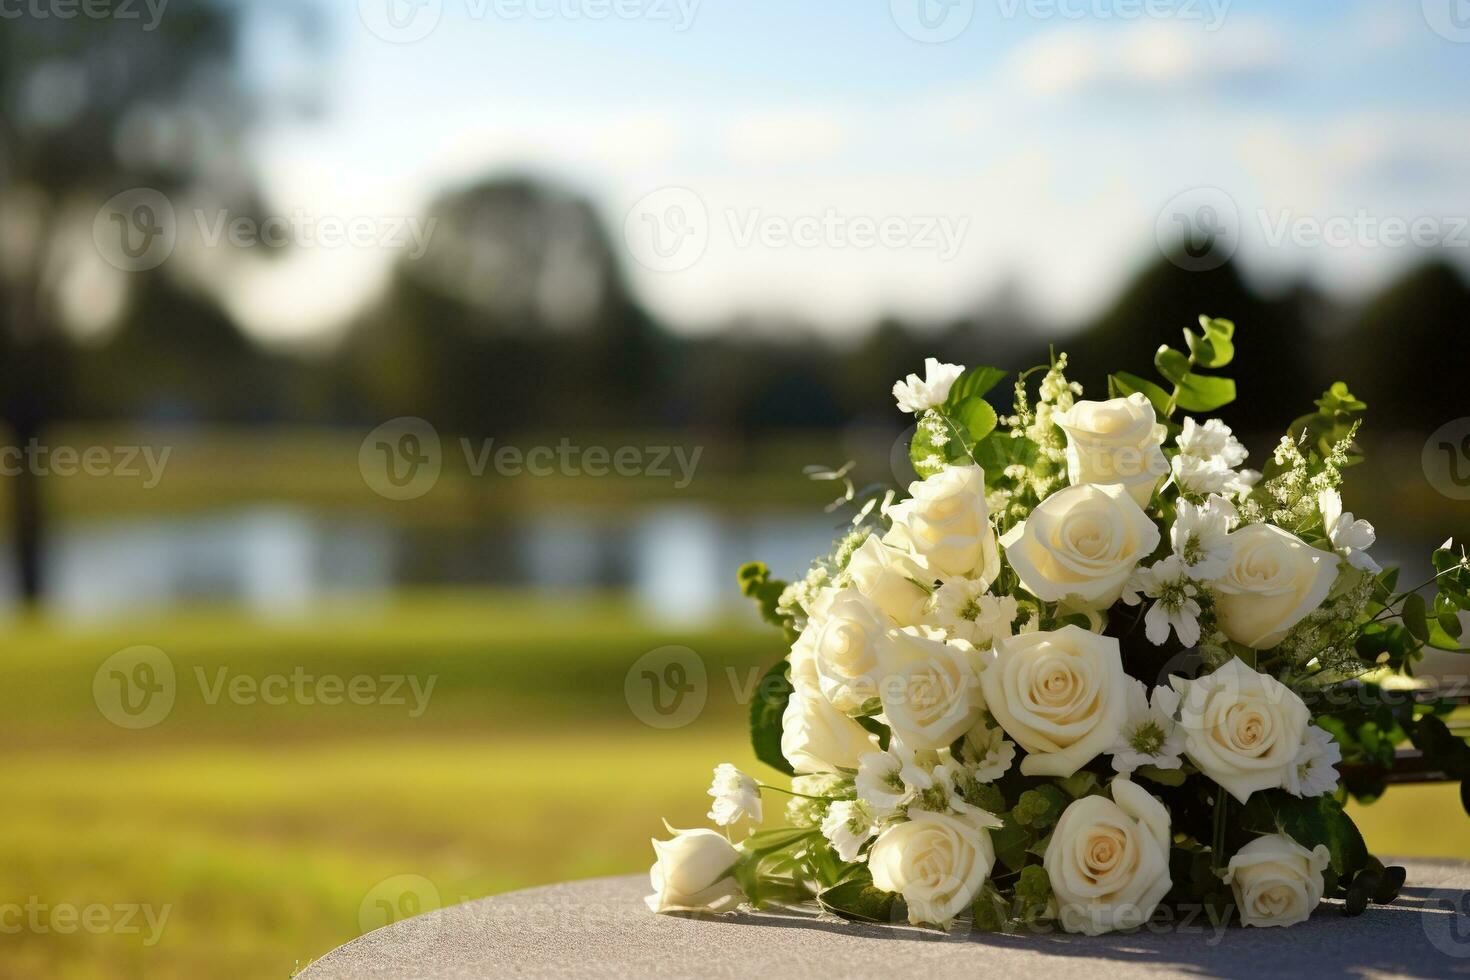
{"type": "Point", "coordinates": [390, 390]}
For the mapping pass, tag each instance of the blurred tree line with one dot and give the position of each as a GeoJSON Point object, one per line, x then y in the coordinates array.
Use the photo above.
{"type": "Point", "coordinates": [519, 314]}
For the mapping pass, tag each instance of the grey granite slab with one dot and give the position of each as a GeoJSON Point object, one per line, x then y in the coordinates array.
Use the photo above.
{"type": "Point", "coordinates": [600, 928]}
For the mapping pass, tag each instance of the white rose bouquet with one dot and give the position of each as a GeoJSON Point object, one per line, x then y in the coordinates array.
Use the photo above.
{"type": "Point", "coordinates": [1088, 667]}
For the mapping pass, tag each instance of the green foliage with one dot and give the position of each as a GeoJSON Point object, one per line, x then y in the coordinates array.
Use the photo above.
{"type": "Point", "coordinates": [1123, 384]}
{"type": "Point", "coordinates": [1040, 808]}
{"type": "Point", "coordinates": [756, 583]}
{"type": "Point", "coordinates": [1309, 822]}
{"type": "Point", "coordinates": [1214, 347]}
{"type": "Point", "coordinates": [859, 900]}
{"type": "Point", "coordinates": [766, 709]}
{"type": "Point", "coordinates": [951, 433]}
{"type": "Point", "coordinates": [1033, 894]}
{"type": "Point", "coordinates": [1337, 413]}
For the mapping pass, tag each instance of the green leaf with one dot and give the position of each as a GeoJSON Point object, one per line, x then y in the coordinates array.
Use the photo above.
{"type": "Point", "coordinates": [1010, 841]}
{"type": "Point", "coordinates": [1079, 784]}
{"type": "Point", "coordinates": [975, 383]}
{"type": "Point", "coordinates": [859, 900]}
{"type": "Point", "coordinates": [990, 911]}
{"type": "Point", "coordinates": [1172, 364]}
{"type": "Point", "coordinates": [1040, 808]}
{"type": "Point", "coordinates": [756, 583]}
{"type": "Point", "coordinates": [1414, 618]}
{"type": "Point", "coordinates": [766, 709]}
{"type": "Point", "coordinates": [1309, 822]}
{"type": "Point", "coordinates": [764, 843]}
{"type": "Point", "coordinates": [977, 419]}
{"type": "Point", "coordinates": [1164, 777]}
{"type": "Point", "coordinates": [1033, 893]}
{"type": "Point", "coordinates": [1217, 327]}
{"type": "Point", "coordinates": [1124, 384]}
{"type": "Point", "coordinates": [1217, 348]}
{"type": "Point", "coordinates": [1198, 393]}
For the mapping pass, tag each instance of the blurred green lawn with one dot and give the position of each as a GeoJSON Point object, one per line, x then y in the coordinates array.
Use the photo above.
{"type": "Point", "coordinates": [267, 831]}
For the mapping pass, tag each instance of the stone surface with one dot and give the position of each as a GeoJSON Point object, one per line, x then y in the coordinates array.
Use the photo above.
{"type": "Point", "coordinates": [600, 928]}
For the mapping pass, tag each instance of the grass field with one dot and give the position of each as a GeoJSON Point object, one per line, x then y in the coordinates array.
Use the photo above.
{"type": "Point", "coordinates": [245, 838]}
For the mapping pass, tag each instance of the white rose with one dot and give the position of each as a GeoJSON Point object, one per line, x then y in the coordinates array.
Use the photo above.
{"type": "Point", "coordinates": [936, 861]}
{"type": "Point", "coordinates": [1061, 694]}
{"type": "Point", "coordinates": [1108, 860]}
{"type": "Point", "coordinates": [692, 873]}
{"type": "Point", "coordinates": [816, 737]}
{"type": "Point", "coordinates": [1115, 442]}
{"type": "Point", "coordinates": [1276, 881]}
{"type": "Point", "coordinates": [844, 632]}
{"type": "Point", "coordinates": [1081, 544]}
{"type": "Point", "coordinates": [888, 577]}
{"type": "Point", "coordinates": [930, 688]}
{"type": "Point", "coordinates": [945, 525]}
{"type": "Point", "coordinates": [1273, 581]}
{"type": "Point", "coordinates": [1242, 728]}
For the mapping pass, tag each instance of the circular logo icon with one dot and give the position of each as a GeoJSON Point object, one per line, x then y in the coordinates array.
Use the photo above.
{"type": "Point", "coordinates": [401, 458]}
{"type": "Point", "coordinates": [135, 688]}
{"type": "Point", "coordinates": [398, 899]}
{"type": "Point", "coordinates": [1446, 459]}
{"type": "Point", "coordinates": [1446, 919]}
{"type": "Point", "coordinates": [400, 21]}
{"type": "Point", "coordinates": [667, 230]}
{"type": "Point", "coordinates": [1198, 230]}
{"type": "Point", "coordinates": [932, 21]}
{"type": "Point", "coordinates": [136, 230]}
{"type": "Point", "coordinates": [900, 460]}
{"type": "Point", "coordinates": [667, 687]}
{"type": "Point", "coordinates": [1450, 19]}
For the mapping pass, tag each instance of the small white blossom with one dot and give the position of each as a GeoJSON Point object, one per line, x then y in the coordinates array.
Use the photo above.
{"type": "Point", "coordinates": [1213, 440]}
{"type": "Point", "coordinates": [916, 395]}
{"type": "Point", "coordinates": [1315, 770]}
{"type": "Point", "coordinates": [964, 611]}
{"type": "Point", "coordinates": [988, 753]}
{"type": "Point", "coordinates": [736, 795]}
{"type": "Point", "coordinates": [880, 782]}
{"type": "Point", "coordinates": [1174, 607]}
{"type": "Point", "coordinates": [1242, 483]}
{"type": "Point", "coordinates": [849, 825]}
{"type": "Point", "coordinates": [1200, 536]}
{"type": "Point", "coordinates": [1150, 736]}
{"type": "Point", "coordinates": [1199, 476]}
{"type": "Point", "coordinates": [1350, 538]}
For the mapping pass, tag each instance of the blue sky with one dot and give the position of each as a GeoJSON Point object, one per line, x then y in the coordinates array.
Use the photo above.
{"type": "Point", "coordinates": [1048, 135]}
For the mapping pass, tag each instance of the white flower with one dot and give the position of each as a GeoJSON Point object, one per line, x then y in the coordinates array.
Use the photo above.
{"type": "Point", "coordinates": [848, 825]}
{"type": "Point", "coordinates": [1200, 536]}
{"type": "Point", "coordinates": [1175, 606]}
{"type": "Point", "coordinates": [964, 610]}
{"type": "Point", "coordinates": [1201, 476]}
{"type": "Point", "coordinates": [692, 873]}
{"type": "Point", "coordinates": [1108, 860]}
{"type": "Point", "coordinates": [1314, 771]}
{"type": "Point", "coordinates": [887, 576]}
{"type": "Point", "coordinates": [1081, 544]}
{"type": "Point", "coordinates": [1242, 728]}
{"type": "Point", "coordinates": [945, 527]}
{"type": "Point", "coordinates": [988, 753]}
{"type": "Point", "coordinates": [845, 628]}
{"type": "Point", "coordinates": [1150, 735]}
{"type": "Point", "coordinates": [880, 781]}
{"type": "Point", "coordinates": [816, 737]}
{"type": "Point", "coordinates": [736, 795]}
{"type": "Point", "coordinates": [1240, 485]}
{"type": "Point", "coordinates": [1213, 440]}
{"type": "Point", "coordinates": [1276, 881]}
{"type": "Point", "coordinates": [930, 688]}
{"type": "Point", "coordinates": [1116, 442]}
{"type": "Point", "coordinates": [915, 395]}
{"type": "Point", "coordinates": [936, 861]}
{"type": "Point", "coordinates": [1061, 694]}
{"type": "Point", "coordinates": [1273, 581]}
{"type": "Point", "coordinates": [1350, 538]}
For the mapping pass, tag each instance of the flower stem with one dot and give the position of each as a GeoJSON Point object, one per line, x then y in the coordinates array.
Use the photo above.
{"type": "Point", "coordinates": [790, 792]}
{"type": "Point", "coordinates": [1217, 851]}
